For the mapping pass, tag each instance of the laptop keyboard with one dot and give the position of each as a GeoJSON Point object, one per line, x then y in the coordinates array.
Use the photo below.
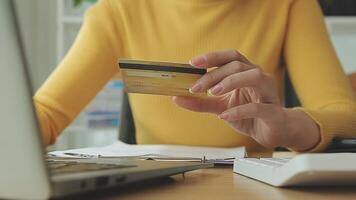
{"type": "Point", "coordinates": [62, 167]}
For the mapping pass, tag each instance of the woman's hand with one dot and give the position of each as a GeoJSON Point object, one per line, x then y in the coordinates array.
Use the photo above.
{"type": "Point", "coordinates": [246, 98]}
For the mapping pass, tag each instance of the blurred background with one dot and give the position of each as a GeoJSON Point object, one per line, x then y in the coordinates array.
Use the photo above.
{"type": "Point", "coordinates": [51, 27]}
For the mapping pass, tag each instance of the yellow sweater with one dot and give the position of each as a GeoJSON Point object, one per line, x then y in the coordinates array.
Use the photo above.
{"type": "Point", "coordinates": [270, 33]}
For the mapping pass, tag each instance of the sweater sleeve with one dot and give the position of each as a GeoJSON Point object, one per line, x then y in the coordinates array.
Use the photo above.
{"type": "Point", "coordinates": [86, 68]}
{"type": "Point", "coordinates": [316, 74]}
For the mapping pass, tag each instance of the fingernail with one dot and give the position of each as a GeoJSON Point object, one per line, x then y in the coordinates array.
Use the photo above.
{"type": "Point", "coordinates": [223, 116]}
{"type": "Point", "coordinates": [196, 88]}
{"type": "Point", "coordinates": [216, 89]}
{"type": "Point", "coordinates": [198, 61]}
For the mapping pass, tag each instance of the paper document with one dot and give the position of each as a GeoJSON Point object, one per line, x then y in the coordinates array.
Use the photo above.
{"type": "Point", "coordinates": [165, 152]}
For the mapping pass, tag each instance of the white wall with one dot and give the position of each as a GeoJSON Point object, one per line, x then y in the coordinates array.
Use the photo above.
{"type": "Point", "coordinates": [343, 35]}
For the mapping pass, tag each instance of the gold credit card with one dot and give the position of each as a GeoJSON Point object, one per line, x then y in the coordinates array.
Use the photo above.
{"type": "Point", "coordinates": [161, 78]}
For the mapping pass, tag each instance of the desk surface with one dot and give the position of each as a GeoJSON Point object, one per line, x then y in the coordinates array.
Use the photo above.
{"type": "Point", "coordinates": [218, 183]}
{"type": "Point", "coordinates": [353, 80]}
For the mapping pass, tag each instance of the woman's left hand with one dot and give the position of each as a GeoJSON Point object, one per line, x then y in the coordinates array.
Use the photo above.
{"type": "Point", "coordinates": [246, 97]}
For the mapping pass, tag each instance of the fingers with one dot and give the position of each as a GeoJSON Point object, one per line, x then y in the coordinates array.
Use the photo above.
{"type": "Point", "coordinates": [212, 105]}
{"type": "Point", "coordinates": [256, 78]}
{"type": "Point", "coordinates": [213, 77]}
{"type": "Point", "coordinates": [269, 131]}
{"type": "Point", "coordinates": [247, 111]}
{"type": "Point", "coordinates": [218, 58]}
{"type": "Point", "coordinates": [250, 78]}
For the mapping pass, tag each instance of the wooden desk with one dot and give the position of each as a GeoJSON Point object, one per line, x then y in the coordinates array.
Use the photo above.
{"type": "Point", "coordinates": [218, 183]}
{"type": "Point", "coordinates": [353, 80]}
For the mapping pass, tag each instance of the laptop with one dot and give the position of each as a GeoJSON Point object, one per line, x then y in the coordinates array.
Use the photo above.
{"type": "Point", "coordinates": [25, 171]}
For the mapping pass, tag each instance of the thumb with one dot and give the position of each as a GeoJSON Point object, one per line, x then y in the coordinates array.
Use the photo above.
{"type": "Point", "coordinates": [210, 104]}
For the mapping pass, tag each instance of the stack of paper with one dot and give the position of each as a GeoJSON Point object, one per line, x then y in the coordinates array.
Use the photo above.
{"type": "Point", "coordinates": [158, 152]}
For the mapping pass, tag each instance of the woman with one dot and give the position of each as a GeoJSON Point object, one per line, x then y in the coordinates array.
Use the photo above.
{"type": "Point", "coordinates": [245, 107]}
